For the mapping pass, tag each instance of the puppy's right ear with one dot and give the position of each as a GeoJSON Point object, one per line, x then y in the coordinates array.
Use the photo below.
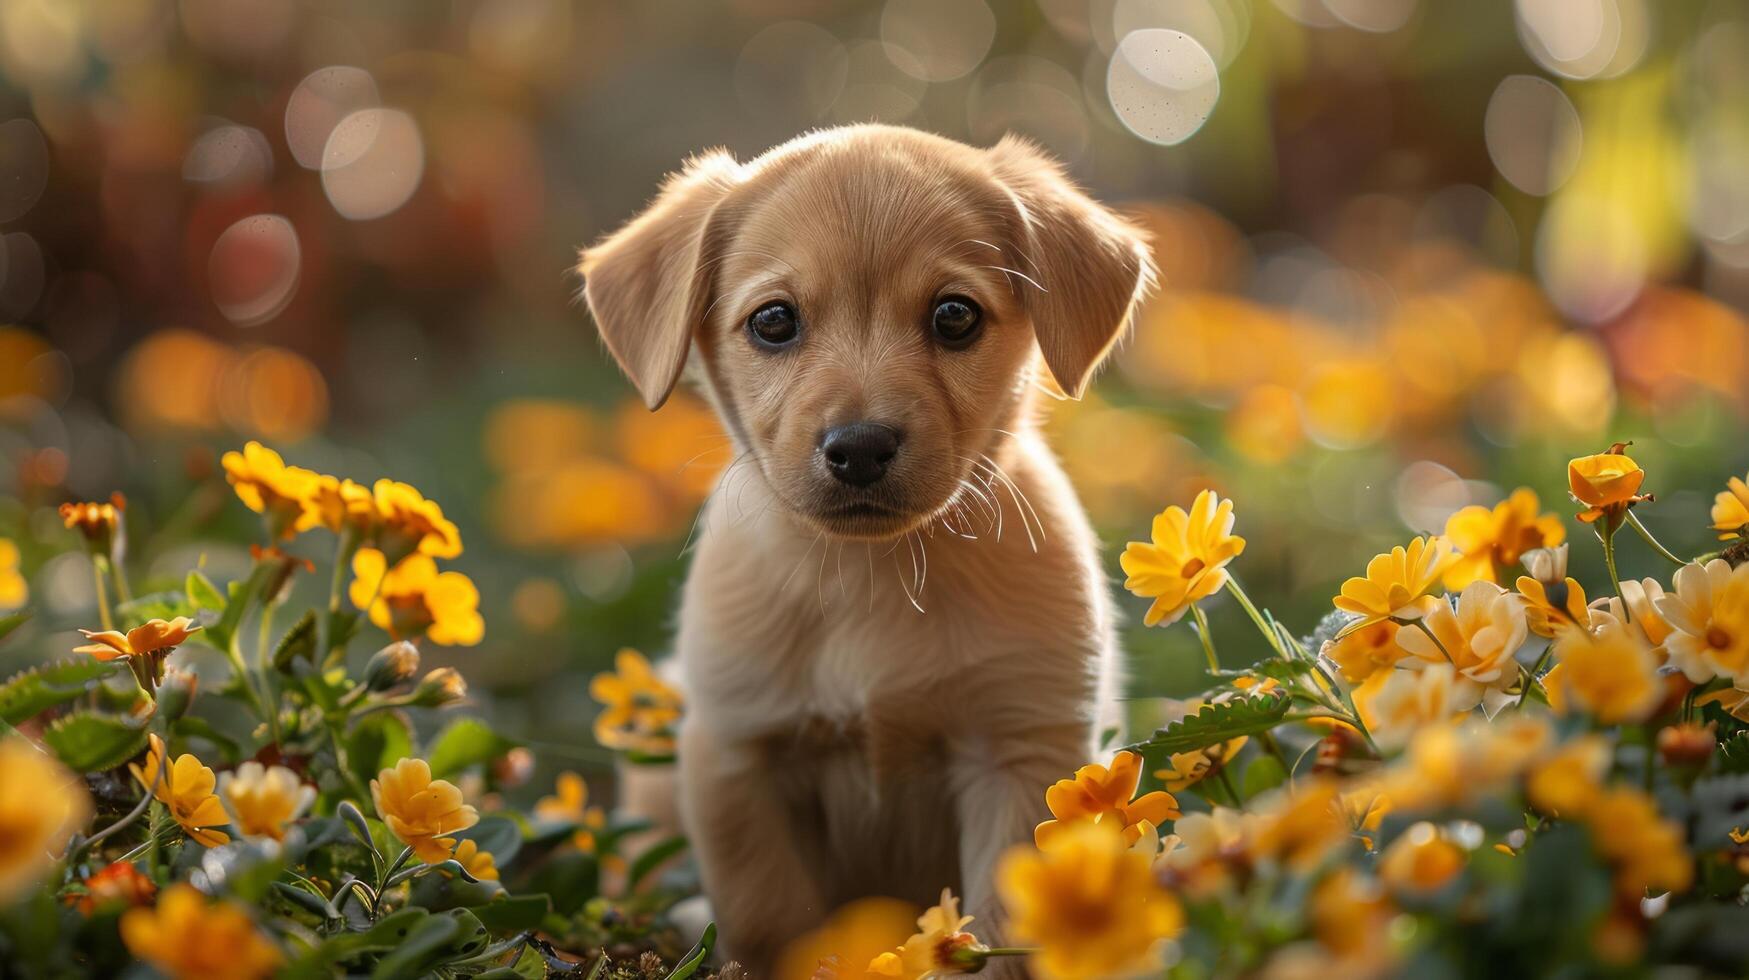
{"type": "Point", "coordinates": [647, 284]}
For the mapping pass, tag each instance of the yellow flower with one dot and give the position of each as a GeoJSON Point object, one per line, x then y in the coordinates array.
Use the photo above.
{"type": "Point", "coordinates": [1639, 610]}
{"type": "Point", "coordinates": [153, 636]}
{"type": "Point", "coordinates": [1565, 782]}
{"type": "Point", "coordinates": [262, 801]}
{"type": "Point", "coordinates": [1733, 700]}
{"type": "Point", "coordinates": [1206, 851]}
{"type": "Point", "coordinates": [1351, 918]}
{"type": "Point", "coordinates": [189, 938]}
{"type": "Point", "coordinates": [1731, 510]}
{"type": "Point", "coordinates": [1607, 484]}
{"type": "Point", "coordinates": [1450, 766]}
{"type": "Point", "coordinates": [1646, 850]}
{"type": "Point", "coordinates": [186, 789]}
{"type": "Point", "coordinates": [13, 590]}
{"type": "Point", "coordinates": [100, 524]}
{"type": "Point", "coordinates": [1395, 704]}
{"type": "Point", "coordinates": [408, 523]}
{"type": "Point", "coordinates": [1299, 823]}
{"type": "Point", "coordinates": [1709, 611]}
{"type": "Point", "coordinates": [1553, 601]}
{"type": "Point", "coordinates": [1478, 635]}
{"type": "Point", "coordinates": [414, 598]}
{"type": "Point", "coordinates": [1490, 541]}
{"type": "Point", "coordinates": [421, 811]}
{"type": "Point", "coordinates": [1089, 902]}
{"type": "Point", "coordinates": [340, 504]}
{"type": "Point", "coordinates": [41, 805]}
{"type": "Point", "coordinates": [1101, 795]}
{"type": "Point", "coordinates": [1189, 768]}
{"type": "Point", "coordinates": [850, 939]}
{"type": "Point", "coordinates": [1611, 674]}
{"type": "Point", "coordinates": [478, 863]}
{"type": "Point", "coordinates": [930, 952]}
{"type": "Point", "coordinates": [569, 804]}
{"type": "Point", "coordinates": [1396, 583]}
{"type": "Point", "coordinates": [638, 709]}
{"type": "Point", "coordinates": [279, 493]}
{"type": "Point", "coordinates": [1359, 653]}
{"type": "Point", "coordinates": [1420, 860]}
{"type": "Point", "coordinates": [1187, 560]}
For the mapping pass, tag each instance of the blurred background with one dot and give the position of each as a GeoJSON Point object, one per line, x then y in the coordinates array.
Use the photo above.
{"type": "Point", "coordinates": [1415, 254]}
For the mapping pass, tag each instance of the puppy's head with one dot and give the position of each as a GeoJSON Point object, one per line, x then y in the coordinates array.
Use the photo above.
{"type": "Point", "coordinates": [865, 306]}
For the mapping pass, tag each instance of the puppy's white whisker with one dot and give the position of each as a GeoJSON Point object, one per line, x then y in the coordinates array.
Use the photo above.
{"type": "Point", "coordinates": [1021, 503]}
{"type": "Point", "coordinates": [1018, 275]}
{"type": "Point", "coordinates": [799, 563]}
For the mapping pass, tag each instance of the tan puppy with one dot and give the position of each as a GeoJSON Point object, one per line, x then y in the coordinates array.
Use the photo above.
{"type": "Point", "coordinates": [896, 632]}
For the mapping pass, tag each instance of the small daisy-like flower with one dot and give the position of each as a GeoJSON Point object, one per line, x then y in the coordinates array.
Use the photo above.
{"type": "Point", "coordinates": [423, 812]}
{"type": "Point", "coordinates": [1731, 510]}
{"type": "Point", "coordinates": [151, 637]}
{"type": "Point", "coordinates": [1186, 769]}
{"type": "Point", "coordinates": [1359, 653]}
{"type": "Point", "coordinates": [1478, 634]}
{"type": "Point", "coordinates": [99, 523]}
{"type": "Point", "coordinates": [1709, 613]}
{"type": "Point", "coordinates": [1607, 484]}
{"type": "Point", "coordinates": [407, 523]}
{"type": "Point", "coordinates": [1187, 559]}
{"type": "Point", "coordinates": [1100, 795]}
{"type": "Point", "coordinates": [263, 801]}
{"type": "Point", "coordinates": [267, 486]}
{"type": "Point", "coordinates": [186, 789]}
{"type": "Point", "coordinates": [412, 599]}
{"type": "Point", "coordinates": [638, 709]}
{"type": "Point", "coordinates": [1610, 673]}
{"type": "Point", "coordinates": [1490, 541]}
{"type": "Point", "coordinates": [1395, 704]}
{"type": "Point", "coordinates": [1396, 583]}
{"type": "Point", "coordinates": [940, 947]}
{"type": "Point", "coordinates": [570, 804]}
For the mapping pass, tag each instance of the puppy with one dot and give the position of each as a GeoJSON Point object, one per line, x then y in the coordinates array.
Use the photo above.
{"type": "Point", "coordinates": [895, 633]}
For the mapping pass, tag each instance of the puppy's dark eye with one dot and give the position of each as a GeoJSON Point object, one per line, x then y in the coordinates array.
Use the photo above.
{"type": "Point", "coordinates": [774, 325]}
{"type": "Point", "coordinates": [957, 321]}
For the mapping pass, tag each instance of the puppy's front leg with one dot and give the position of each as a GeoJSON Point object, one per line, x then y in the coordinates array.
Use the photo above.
{"type": "Point", "coordinates": [760, 889]}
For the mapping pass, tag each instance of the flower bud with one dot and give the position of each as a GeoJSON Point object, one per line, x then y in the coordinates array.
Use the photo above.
{"type": "Point", "coordinates": [176, 692]}
{"type": "Point", "coordinates": [513, 768]}
{"type": "Point", "coordinates": [440, 688]}
{"type": "Point", "coordinates": [394, 664]}
{"type": "Point", "coordinates": [1686, 746]}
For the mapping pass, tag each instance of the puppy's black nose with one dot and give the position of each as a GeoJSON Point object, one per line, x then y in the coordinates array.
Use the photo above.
{"type": "Point", "coordinates": [859, 453]}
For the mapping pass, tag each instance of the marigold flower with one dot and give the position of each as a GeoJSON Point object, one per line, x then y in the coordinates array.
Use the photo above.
{"type": "Point", "coordinates": [151, 637]}
{"type": "Point", "coordinates": [1186, 561]}
{"type": "Point", "coordinates": [1489, 541]}
{"type": "Point", "coordinates": [570, 804]}
{"type": "Point", "coordinates": [189, 938]}
{"type": "Point", "coordinates": [262, 801]}
{"type": "Point", "coordinates": [1611, 673]}
{"type": "Point", "coordinates": [118, 884]}
{"type": "Point", "coordinates": [1359, 653]}
{"type": "Point", "coordinates": [413, 598]}
{"type": "Point", "coordinates": [99, 523]}
{"type": "Point", "coordinates": [267, 486]}
{"type": "Point", "coordinates": [186, 789]}
{"type": "Point", "coordinates": [408, 523]}
{"type": "Point", "coordinates": [1709, 611]}
{"type": "Point", "coordinates": [1396, 583]}
{"type": "Point", "coordinates": [1186, 769]}
{"type": "Point", "coordinates": [480, 864]}
{"type": "Point", "coordinates": [1479, 634]}
{"type": "Point", "coordinates": [1101, 795]}
{"type": "Point", "coordinates": [340, 505]}
{"type": "Point", "coordinates": [1089, 902]}
{"type": "Point", "coordinates": [1553, 601]}
{"type": "Point", "coordinates": [940, 947]}
{"type": "Point", "coordinates": [41, 805]}
{"type": "Point", "coordinates": [1564, 783]}
{"type": "Point", "coordinates": [14, 592]}
{"type": "Point", "coordinates": [1421, 860]}
{"type": "Point", "coordinates": [421, 811]}
{"type": "Point", "coordinates": [1607, 484]}
{"type": "Point", "coordinates": [1731, 510]}
{"type": "Point", "coordinates": [638, 709]}
{"type": "Point", "coordinates": [1395, 704]}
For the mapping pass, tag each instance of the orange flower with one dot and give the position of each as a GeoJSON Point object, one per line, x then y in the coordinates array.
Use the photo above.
{"type": "Point", "coordinates": [1490, 541]}
{"type": "Point", "coordinates": [413, 598]}
{"type": "Point", "coordinates": [100, 524]}
{"type": "Point", "coordinates": [1396, 583]}
{"type": "Point", "coordinates": [569, 804]}
{"type": "Point", "coordinates": [408, 523]}
{"type": "Point", "coordinates": [1607, 484]}
{"type": "Point", "coordinates": [279, 493]}
{"type": "Point", "coordinates": [41, 805]}
{"type": "Point", "coordinates": [1421, 860]}
{"type": "Point", "coordinates": [1731, 510]}
{"type": "Point", "coordinates": [1553, 601]}
{"type": "Point", "coordinates": [478, 863]}
{"type": "Point", "coordinates": [153, 636]}
{"type": "Point", "coordinates": [1360, 653]}
{"type": "Point", "coordinates": [189, 938]}
{"type": "Point", "coordinates": [120, 883]}
{"type": "Point", "coordinates": [187, 790]}
{"type": "Point", "coordinates": [1187, 559]}
{"type": "Point", "coordinates": [341, 504]}
{"type": "Point", "coordinates": [14, 591]}
{"type": "Point", "coordinates": [638, 709]}
{"type": "Point", "coordinates": [421, 811]}
{"type": "Point", "coordinates": [1101, 795]}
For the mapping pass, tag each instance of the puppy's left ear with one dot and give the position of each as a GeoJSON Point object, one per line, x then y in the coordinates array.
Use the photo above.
{"type": "Point", "coordinates": [1091, 267]}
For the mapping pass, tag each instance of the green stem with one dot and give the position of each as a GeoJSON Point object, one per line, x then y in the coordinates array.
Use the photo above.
{"type": "Point", "coordinates": [1208, 643]}
{"type": "Point", "coordinates": [1607, 536]}
{"type": "Point", "coordinates": [1530, 679]}
{"type": "Point", "coordinates": [1256, 617]}
{"type": "Point", "coordinates": [1634, 520]}
{"type": "Point", "coordinates": [264, 658]}
{"type": "Point", "coordinates": [1422, 625]}
{"type": "Point", "coordinates": [1010, 951]}
{"type": "Point", "coordinates": [123, 594]}
{"type": "Point", "coordinates": [1227, 784]}
{"type": "Point", "coordinates": [341, 760]}
{"type": "Point", "coordinates": [104, 615]}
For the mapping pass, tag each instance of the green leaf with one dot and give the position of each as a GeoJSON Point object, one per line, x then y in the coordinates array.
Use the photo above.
{"type": "Point", "coordinates": [690, 963]}
{"type": "Point", "coordinates": [157, 605]}
{"type": "Point", "coordinates": [1263, 774]}
{"type": "Point", "coordinates": [513, 913]}
{"type": "Point", "coordinates": [203, 594]}
{"type": "Point", "coordinates": [89, 742]}
{"type": "Point", "coordinates": [242, 596]}
{"type": "Point", "coordinates": [466, 742]}
{"type": "Point", "coordinates": [38, 689]}
{"type": "Point", "coordinates": [377, 742]}
{"type": "Point", "coordinates": [530, 965]}
{"type": "Point", "coordinates": [572, 879]}
{"type": "Point", "coordinates": [1734, 754]}
{"type": "Point", "coordinates": [194, 726]}
{"type": "Point", "coordinates": [11, 622]}
{"type": "Point", "coordinates": [648, 861]}
{"type": "Point", "coordinates": [299, 641]}
{"type": "Point", "coordinates": [1219, 722]}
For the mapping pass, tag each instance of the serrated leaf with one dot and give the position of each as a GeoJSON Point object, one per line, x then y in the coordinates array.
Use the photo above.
{"type": "Point", "coordinates": [1219, 722]}
{"type": "Point", "coordinates": [12, 621]}
{"type": "Point", "coordinates": [466, 742]}
{"type": "Point", "coordinates": [90, 742]}
{"type": "Point", "coordinates": [1734, 754]}
{"type": "Point", "coordinates": [299, 641]}
{"type": "Point", "coordinates": [38, 689]}
{"type": "Point", "coordinates": [203, 594]}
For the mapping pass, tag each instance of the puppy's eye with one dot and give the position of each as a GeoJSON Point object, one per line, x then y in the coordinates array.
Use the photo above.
{"type": "Point", "coordinates": [774, 325]}
{"type": "Point", "coordinates": [957, 321]}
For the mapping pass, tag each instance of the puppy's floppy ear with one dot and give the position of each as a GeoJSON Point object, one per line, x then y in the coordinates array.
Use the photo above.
{"type": "Point", "coordinates": [1090, 266]}
{"type": "Point", "coordinates": [648, 285]}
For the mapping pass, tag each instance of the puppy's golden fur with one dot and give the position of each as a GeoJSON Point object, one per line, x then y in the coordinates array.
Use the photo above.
{"type": "Point", "coordinates": [882, 680]}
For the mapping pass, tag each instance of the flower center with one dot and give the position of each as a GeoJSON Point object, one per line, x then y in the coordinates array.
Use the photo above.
{"type": "Point", "coordinates": [1192, 567]}
{"type": "Point", "coordinates": [1717, 638]}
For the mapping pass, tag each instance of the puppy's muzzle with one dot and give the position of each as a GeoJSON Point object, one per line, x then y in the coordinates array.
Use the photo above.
{"type": "Point", "coordinates": [859, 453]}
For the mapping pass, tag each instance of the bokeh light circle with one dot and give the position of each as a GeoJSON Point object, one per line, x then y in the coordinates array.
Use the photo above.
{"type": "Point", "coordinates": [1532, 133]}
{"type": "Point", "coordinates": [937, 40]}
{"type": "Point", "coordinates": [1162, 84]}
{"type": "Point", "coordinates": [254, 269]}
{"type": "Point", "coordinates": [791, 68]}
{"type": "Point", "coordinates": [1584, 38]}
{"type": "Point", "coordinates": [372, 163]}
{"type": "Point", "coordinates": [229, 154]}
{"type": "Point", "coordinates": [317, 105]}
{"type": "Point", "coordinates": [1220, 26]}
